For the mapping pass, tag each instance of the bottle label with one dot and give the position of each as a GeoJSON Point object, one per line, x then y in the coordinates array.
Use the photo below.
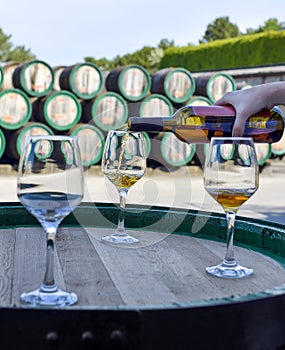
{"type": "Point", "coordinates": [193, 121]}
{"type": "Point", "coordinates": [257, 122]}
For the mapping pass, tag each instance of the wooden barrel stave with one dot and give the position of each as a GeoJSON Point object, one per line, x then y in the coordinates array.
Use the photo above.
{"type": "Point", "coordinates": [170, 264]}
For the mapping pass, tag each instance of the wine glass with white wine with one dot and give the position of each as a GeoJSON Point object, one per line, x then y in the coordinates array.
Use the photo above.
{"type": "Point", "coordinates": [123, 163]}
{"type": "Point", "coordinates": [50, 186]}
{"type": "Point", "coordinates": [231, 177]}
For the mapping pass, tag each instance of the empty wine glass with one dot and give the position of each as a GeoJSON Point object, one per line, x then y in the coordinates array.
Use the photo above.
{"type": "Point", "coordinates": [231, 178]}
{"type": "Point", "coordinates": [123, 163]}
{"type": "Point", "coordinates": [50, 186]}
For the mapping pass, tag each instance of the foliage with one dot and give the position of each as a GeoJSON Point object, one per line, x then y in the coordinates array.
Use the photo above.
{"type": "Point", "coordinates": [165, 44]}
{"type": "Point", "coordinates": [221, 28]}
{"type": "Point", "coordinates": [270, 24]}
{"type": "Point", "coordinates": [148, 57]}
{"type": "Point", "coordinates": [10, 53]}
{"type": "Point", "coordinates": [244, 51]}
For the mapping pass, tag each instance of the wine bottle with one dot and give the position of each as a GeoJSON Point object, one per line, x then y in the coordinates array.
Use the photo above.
{"type": "Point", "coordinates": [198, 124]}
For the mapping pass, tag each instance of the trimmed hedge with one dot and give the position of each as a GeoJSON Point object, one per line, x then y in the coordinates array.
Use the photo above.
{"type": "Point", "coordinates": [266, 48]}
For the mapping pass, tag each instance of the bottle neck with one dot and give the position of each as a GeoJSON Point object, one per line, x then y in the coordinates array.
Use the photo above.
{"type": "Point", "coordinates": [155, 124]}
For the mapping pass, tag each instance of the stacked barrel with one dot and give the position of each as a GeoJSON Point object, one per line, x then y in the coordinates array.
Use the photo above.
{"type": "Point", "coordinates": [85, 101]}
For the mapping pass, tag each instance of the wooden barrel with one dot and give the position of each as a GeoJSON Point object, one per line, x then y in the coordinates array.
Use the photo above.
{"type": "Point", "coordinates": [57, 72]}
{"type": "Point", "coordinates": [177, 84]}
{"type": "Point", "coordinates": [154, 105]}
{"type": "Point", "coordinates": [198, 101]}
{"type": "Point", "coordinates": [147, 143]}
{"type": "Point", "coordinates": [91, 143]}
{"type": "Point", "coordinates": [131, 81]}
{"type": "Point", "coordinates": [2, 143]}
{"type": "Point", "coordinates": [83, 79]}
{"type": "Point", "coordinates": [108, 111]}
{"type": "Point", "coordinates": [214, 85]}
{"type": "Point", "coordinates": [278, 148]}
{"type": "Point", "coordinates": [169, 153]}
{"type": "Point", "coordinates": [15, 109]}
{"type": "Point", "coordinates": [242, 85]}
{"type": "Point", "coordinates": [34, 77]}
{"type": "Point", "coordinates": [1, 76]}
{"type": "Point", "coordinates": [8, 71]}
{"type": "Point", "coordinates": [263, 152]}
{"type": "Point", "coordinates": [61, 110]}
{"type": "Point", "coordinates": [17, 138]}
{"type": "Point", "coordinates": [155, 295]}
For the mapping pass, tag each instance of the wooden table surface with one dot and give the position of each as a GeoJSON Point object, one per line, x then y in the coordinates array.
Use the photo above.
{"type": "Point", "coordinates": [162, 270]}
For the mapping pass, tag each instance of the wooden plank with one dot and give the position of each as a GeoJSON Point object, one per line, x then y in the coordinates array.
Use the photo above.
{"type": "Point", "coordinates": [30, 262]}
{"type": "Point", "coordinates": [83, 269]}
{"type": "Point", "coordinates": [173, 270]}
{"type": "Point", "coordinates": [7, 243]}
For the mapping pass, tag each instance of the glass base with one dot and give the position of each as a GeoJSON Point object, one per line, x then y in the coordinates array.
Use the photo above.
{"type": "Point", "coordinates": [120, 239]}
{"type": "Point", "coordinates": [229, 270]}
{"type": "Point", "coordinates": [55, 297]}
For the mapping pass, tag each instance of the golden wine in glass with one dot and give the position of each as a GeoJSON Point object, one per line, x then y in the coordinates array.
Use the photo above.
{"type": "Point", "coordinates": [231, 177]}
{"type": "Point", "coordinates": [123, 163]}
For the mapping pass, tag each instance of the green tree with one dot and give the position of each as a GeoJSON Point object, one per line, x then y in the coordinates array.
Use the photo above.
{"type": "Point", "coordinates": [221, 28]}
{"type": "Point", "coordinates": [147, 57]}
{"type": "Point", "coordinates": [270, 24]}
{"type": "Point", "coordinates": [165, 44]}
{"type": "Point", "coordinates": [10, 53]}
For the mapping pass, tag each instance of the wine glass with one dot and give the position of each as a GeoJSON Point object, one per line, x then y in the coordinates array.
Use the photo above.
{"type": "Point", "coordinates": [123, 163]}
{"type": "Point", "coordinates": [50, 186]}
{"type": "Point", "coordinates": [231, 178]}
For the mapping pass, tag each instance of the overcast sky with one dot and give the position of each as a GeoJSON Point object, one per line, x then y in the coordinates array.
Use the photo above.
{"type": "Point", "coordinates": [63, 32]}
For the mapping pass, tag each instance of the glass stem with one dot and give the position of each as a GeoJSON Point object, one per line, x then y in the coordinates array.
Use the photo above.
{"type": "Point", "coordinates": [121, 220]}
{"type": "Point", "coordinates": [230, 257]}
{"type": "Point", "coordinates": [49, 283]}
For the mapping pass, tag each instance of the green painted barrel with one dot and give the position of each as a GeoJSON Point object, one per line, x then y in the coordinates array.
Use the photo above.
{"type": "Point", "coordinates": [91, 143]}
{"type": "Point", "coordinates": [154, 105]}
{"type": "Point", "coordinates": [242, 85]}
{"type": "Point", "coordinates": [198, 101]}
{"type": "Point", "coordinates": [83, 79]}
{"type": "Point", "coordinates": [263, 152]}
{"type": "Point", "coordinates": [169, 153]}
{"type": "Point", "coordinates": [57, 72]}
{"type": "Point", "coordinates": [214, 85]}
{"type": "Point", "coordinates": [177, 84]}
{"type": "Point", "coordinates": [8, 71]}
{"type": "Point", "coordinates": [131, 81]}
{"type": "Point", "coordinates": [278, 148]}
{"type": "Point", "coordinates": [108, 111]}
{"type": "Point", "coordinates": [17, 138]}
{"type": "Point", "coordinates": [156, 295]}
{"type": "Point", "coordinates": [61, 110]}
{"type": "Point", "coordinates": [15, 109]}
{"type": "Point", "coordinates": [147, 143]}
{"type": "Point", "coordinates": [34, 77]}
{"type": "Point", "coordinates": [2, 143]}
{"type": "Point", "coordinates": [1, 76]}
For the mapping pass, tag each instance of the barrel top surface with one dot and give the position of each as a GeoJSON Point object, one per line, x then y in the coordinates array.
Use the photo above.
{"type": "Point", "coordinates": [165, 270]}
